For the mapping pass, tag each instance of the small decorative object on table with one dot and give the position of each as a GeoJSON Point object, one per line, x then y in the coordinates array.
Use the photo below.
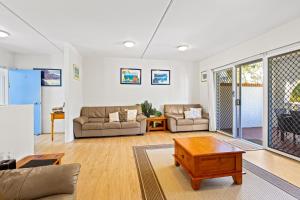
{"type": "Point", "coordinates": [7, 164]}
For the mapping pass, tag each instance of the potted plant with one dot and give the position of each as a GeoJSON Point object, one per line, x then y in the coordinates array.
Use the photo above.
{"type": "Point", "coordinates": [148, 110]}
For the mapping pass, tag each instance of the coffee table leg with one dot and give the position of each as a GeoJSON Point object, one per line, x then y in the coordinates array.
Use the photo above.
{"type": "Point", "coordinates": [238, 179]}
{"type": "Point", "coordinates": [196, 184]}
{"type": "Point", "coordinates": [177, 163]}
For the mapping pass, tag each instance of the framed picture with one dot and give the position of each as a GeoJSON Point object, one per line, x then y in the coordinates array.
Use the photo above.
{"type": "Point", "coordinates": [204, 76]}
{"type": "Point", "coordinates": [50, 77]}
{"type": "Point", "coordinates": [131, 76]}
{"type": "Point", "coordinates": [76, 75]}
{"type": "Point", "coordinates": [160, 77]}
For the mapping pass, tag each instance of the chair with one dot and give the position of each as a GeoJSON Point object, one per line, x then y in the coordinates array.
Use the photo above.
{"type": "Point", "coordinates": [284, 121]}
{"type": "Point", "coordinates": [296, 123]}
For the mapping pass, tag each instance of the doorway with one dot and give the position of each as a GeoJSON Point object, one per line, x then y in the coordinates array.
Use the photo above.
{"type": "Point", "coordinates": [249, 101]}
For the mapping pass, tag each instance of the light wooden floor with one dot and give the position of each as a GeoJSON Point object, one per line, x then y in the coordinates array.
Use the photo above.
{"type": "Point", "coordinates": [108, 170]}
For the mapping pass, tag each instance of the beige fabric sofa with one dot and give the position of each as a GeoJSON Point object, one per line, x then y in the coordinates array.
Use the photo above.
{"type": "Point", "coordinates": [55, 182]}
{"type": "Point", "coordinates": [177, 122]}
{"type": "Point", "coordinates": [94, 122]}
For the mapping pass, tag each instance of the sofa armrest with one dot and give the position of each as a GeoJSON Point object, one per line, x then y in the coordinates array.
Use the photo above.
{"type": "Point", "coordinates": [140, 117]}
{"type": "Point", "coordinates": [205, 115]}
{"type": "Point", "coordinates": [174, 116]}
{"type": "Point", "coordinates": [39, 182]}
{"type": "Point", "coordinates": [81, 120]}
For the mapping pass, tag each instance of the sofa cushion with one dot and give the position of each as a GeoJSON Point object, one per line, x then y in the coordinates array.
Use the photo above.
{"type": "Point", "coordinates": [114, 117]}
{"type": "Point", "coordinates": [123, 116]}
{"type": "Point", "coordinates": [135, 107]}
{"type": "Point", "coordinates": [200, 121]}
{"type": "Point", "coordinates": [112, 125]}
{"type": "Point", "coordinates": [92, 126]}
{"type": "Point", "coordinates": [111, 109]}
{"type": "Point", "coordinates": [131, 115]}
{"type": "Point", "coordinates": [181, 122]}
{"type": "Point", "coordinates": [187, 107]}
{"type": "Point", "coordinates": [93, 112]}
{"type": "Point", "coordinates": [173, 109]}
{"type": "Point", "coordinates": [96, 119]}
{"type": "Point", "coordinates": [130, 124]}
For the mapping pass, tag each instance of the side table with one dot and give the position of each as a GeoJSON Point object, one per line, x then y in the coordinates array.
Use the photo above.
{"type": "Point", "coordinates": [151, 121]}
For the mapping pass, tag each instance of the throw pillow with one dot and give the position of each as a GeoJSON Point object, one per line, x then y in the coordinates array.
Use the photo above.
{"type": "Point", "coordinates": [196, 112]}
{"type": "Point", "coordinates": [131, 115]}
{"type": "Point", "coordinates": [123, 116]}
{"type": "Point", "coordinates": [188, 115]}
{"type": "Point", "coordinates": [114, 117]}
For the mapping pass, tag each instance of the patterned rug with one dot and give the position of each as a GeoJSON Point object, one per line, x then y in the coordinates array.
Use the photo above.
{"type": "Point", "coordinates": [161, 180]}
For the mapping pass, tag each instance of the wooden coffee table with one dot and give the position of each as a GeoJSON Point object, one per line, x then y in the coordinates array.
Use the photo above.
{"type": "Point", "coordinates": [56, 156]}
{"type": "Point", "coordinates": [206, 157]}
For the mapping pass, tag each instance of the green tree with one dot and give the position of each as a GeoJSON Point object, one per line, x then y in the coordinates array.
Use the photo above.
{"type": "Point", "coordinates": [295, 96]}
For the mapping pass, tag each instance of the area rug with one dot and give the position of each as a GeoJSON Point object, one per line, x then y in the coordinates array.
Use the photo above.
{"type": "Point", "coordinates": [161, 180]}
{"type": "Point", "coordinates": [246, 146]}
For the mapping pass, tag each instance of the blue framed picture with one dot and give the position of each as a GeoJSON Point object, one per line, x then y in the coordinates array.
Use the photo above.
{"type": "Point", "coordinates": [50, 77]}
{"type": "Point", "coordinates": [160, 77]}
{"type": "Point", "coordinates": [131, 76]}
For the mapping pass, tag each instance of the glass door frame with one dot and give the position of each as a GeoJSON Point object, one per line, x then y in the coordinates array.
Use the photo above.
{"type": "Point", "coordinates": [232, 67]}
{"type": "Point", "coordinates": [235, 132]}
{"type": "Point", "coordinates": [238, 97]}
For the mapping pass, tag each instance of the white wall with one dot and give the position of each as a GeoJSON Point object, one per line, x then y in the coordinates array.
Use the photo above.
{"type": "Point", "coordinates": [252, 106]}
{"type": "Point", "coordinates": [102, 86]}
{"type": "Point", "coordinates": [16, 130]}
{"type": "Point", "coordinates": [73, 89]}
{"type": "Point", "coordinates": [284, 35]}
{"type": "Point", "coordinates": [6, 58]}
{"type": "Point", "coordinates": [51, 96]}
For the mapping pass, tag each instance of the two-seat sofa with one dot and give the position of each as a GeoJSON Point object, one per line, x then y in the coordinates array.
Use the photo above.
{"type": "Point", "coordinates": [94, 122]}
{"type": "Point", "coordinates": [177, 122]}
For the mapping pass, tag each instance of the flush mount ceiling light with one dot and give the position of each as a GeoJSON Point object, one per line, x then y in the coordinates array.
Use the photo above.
{"type": "Point", "coordinates": [129, 44]}
{"type": "Point", "coordinates": [3, 34]}
{"type": "Point", "coordinates": [182, 47]}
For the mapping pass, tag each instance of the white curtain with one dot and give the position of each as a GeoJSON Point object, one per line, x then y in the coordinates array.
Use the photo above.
{"type": "Point", "coordinates": [211, 100]}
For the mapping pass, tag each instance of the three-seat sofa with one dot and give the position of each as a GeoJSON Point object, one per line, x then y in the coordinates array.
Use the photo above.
{"type": "Point", "coordinates": [94, 122]}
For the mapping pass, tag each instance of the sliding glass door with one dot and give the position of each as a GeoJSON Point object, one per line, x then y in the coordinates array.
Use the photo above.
{"type": "Point", "coordinates": [284, 103]}
{"type": "Point", "coordinates": [249, 101]}
{"type": "Point", "coordinates": [224, 101]}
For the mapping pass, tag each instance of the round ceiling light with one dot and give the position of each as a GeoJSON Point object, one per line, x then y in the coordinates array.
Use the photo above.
{"type": "Point", "coordinates": [3, 34]}
{"type": "Point", "coordinates": [129, 44]}
{"type": "Point", "coordinates": [182, 47]}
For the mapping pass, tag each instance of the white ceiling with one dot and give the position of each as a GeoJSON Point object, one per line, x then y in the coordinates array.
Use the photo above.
{"type": "Point", "coordinates": [99, 27]}
{"type": "Point", "coordinates": [22, 38]}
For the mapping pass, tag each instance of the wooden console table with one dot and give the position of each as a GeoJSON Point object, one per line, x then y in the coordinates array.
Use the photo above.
{"type": "Point", "coordinates": [151, 120]}
{"type": "Point", "coordinates": [55, 116]}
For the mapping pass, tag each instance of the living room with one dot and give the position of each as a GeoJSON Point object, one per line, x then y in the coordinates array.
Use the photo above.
{"type": "Point", "coordinates": [149, 99]}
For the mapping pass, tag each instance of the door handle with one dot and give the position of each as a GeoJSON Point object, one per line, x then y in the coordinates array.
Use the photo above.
{"type": "Point", "coordinates": [36, 103]}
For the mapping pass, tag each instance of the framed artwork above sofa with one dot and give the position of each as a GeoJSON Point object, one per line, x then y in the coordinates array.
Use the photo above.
{"type": "Point", "coordinates": [160, 77]}
{"type": "Point", "coordinates": [131, 76]}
